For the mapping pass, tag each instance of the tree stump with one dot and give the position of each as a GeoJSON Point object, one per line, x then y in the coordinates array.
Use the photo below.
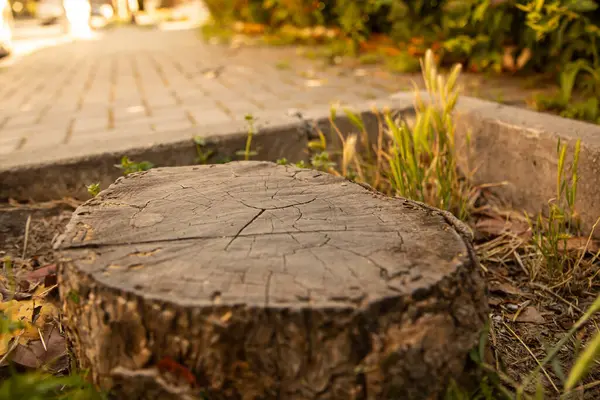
{"type": "Point", "coordinates": [251, 280]}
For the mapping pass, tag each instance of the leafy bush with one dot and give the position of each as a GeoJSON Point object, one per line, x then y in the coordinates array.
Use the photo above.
{"type": "Point", "coordinates": [558, 37]}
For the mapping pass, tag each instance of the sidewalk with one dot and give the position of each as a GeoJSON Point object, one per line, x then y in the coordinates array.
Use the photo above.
{"type": "Point", "coordinates": [136, 86]}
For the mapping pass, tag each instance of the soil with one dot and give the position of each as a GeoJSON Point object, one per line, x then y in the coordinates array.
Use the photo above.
{"type": "Point", "coordinates": [47, 221]}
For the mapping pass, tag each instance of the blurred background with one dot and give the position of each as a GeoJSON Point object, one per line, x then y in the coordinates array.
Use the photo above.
{"type": "Point", "coordinates": [26, 25]}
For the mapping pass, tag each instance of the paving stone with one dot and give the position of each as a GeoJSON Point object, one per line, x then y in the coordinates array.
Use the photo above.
{"type": "Point", "coordinates": [139, 81]}
{"type": "Point", "coordinates": [208, 117]}
{"type": "Point", "coordinates": [172, 125]}
{"type": "Point", "coordinates": [167, 114]}
{"type": "Point", "coordinates": [82, 125]}
{"type": "Point", "coordinates": [9, 145]}
{"type": "Point", "coordinates": [46, 138]}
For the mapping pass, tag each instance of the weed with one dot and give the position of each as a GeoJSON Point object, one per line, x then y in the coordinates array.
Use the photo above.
{"type": "Point", "coordinates": [42, 386]}
{"type": "Point", "coordinates": [248, 152]}
{"type": "Point", "coordinates": [129, 166]}
{"type": "Point", "coordinates": [93, 189]}
{"type": "Point", "coordinates": [551, 233]}
{"type": "Point", "coordinates": [423, 158]}
{"type": "Point", "coordinates": [73, 296]}
{"type": "Point", "coordinates": [282, 161]}
{"type": "Point", "coordinates": [562, 102]}
{"type": "Point", "coordinates": [203, 154]}
{"type": "Point", "coordinates": [417, 162]}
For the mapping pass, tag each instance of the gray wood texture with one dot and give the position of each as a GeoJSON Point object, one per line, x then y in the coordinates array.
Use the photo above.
{"type": "Point", "coordinates": [268, 281]}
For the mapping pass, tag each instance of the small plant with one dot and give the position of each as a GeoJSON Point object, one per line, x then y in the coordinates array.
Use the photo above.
{"type": "Point", "coordinates": [423, 157]}
{"type": "Point", "coordinates": [93, 189]}
{"type": "Point", "coordinates": [42, 386]}
{"type": "Point", "coordinates": [551, 233]}
{"type": "Point", "coordinates": [202, 153]}
{"type": "Point", "coordinates": [562, 102]}
{"type": "Point", "coordinates": [417, 162]}
{"type": "Point", "coordinates": [248, 152]}
{"type": "Point", "coordinates": [130, 167]}
{"type": "Point", "coordinates": [283, 161]}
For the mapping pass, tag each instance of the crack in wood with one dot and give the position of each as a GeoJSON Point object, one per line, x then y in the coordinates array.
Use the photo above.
{"type": "Point", "coordinates": [244, 227]}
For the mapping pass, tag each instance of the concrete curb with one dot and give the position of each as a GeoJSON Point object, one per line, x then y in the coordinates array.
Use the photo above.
{"type": "Point", "coordinates": [520, 146]}
{"type": "Point", "coordinates": [507, 144]}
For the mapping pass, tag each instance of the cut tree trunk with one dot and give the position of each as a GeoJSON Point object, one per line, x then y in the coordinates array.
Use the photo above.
{"type": "Point", "coordinates": [252, 280]}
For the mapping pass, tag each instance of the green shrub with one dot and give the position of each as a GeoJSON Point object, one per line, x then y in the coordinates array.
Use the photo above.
{"type": "Point", "coordinates": [550, 36]}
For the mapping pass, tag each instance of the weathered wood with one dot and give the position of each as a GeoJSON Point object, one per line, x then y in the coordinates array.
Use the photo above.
{"type": "Point", "coordinates": [267, 281]}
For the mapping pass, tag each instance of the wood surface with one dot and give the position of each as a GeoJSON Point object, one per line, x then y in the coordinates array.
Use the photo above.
{"type": "Point", "coordinates": [252, 280]}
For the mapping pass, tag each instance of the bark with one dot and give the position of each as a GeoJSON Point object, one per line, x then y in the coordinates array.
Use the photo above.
{"type": "Point", "coordinates": [252, 281]}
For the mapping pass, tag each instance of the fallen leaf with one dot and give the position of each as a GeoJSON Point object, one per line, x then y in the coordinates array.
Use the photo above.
{"type": "Point", "coordinates": [40, 274]}
{"type": "Point", "coordinates": [581, 243]}
{"type": "Point", "coordinates": [532, 315]}
{"type": "Point", "coordinates": [497, 227]}
{"type": "Point", "coordinates": [35, 355]}
{"type": "Point", "coordinates": [31, 317]}
{"type": "Point", "coordinates": [504, 288]}
{"type": "Point", "coordinates": [495, 301]}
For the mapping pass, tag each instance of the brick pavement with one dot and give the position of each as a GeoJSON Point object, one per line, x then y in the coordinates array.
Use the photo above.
{"type": "Point", "coordinates": [136, 82]}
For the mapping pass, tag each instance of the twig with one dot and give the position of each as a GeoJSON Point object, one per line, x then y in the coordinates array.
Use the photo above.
{"type": "Point", "coordinates": [532, 355]}
{"type": "Point", "coordinates": [520, 262]}
{"type": "Point", "coordinates": [41, 295]}
{"type": "Point", "coordinates": [567, 302]}
{"type": "Point", "coordinates": [581, 388]}
{"type": "Point", "coordinates": [27, 225]}
{"type": "Point", "coordinates": [42, 339]}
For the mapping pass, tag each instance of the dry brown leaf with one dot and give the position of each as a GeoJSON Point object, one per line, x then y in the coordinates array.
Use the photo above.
{"type": "Point", "coordinates": [579, 243]}
{"type": "Point", "coordinates": [35, 355]}
{"type": "Point", "coordinates": [504, 288]}
{"type": "Point", "coordinates": [532, 315]}
{"type": "Point", "coordinates": [25, 311]}
{"type": "Point", "coordinates": [497, 227]}
{"type": "Point", "coordinates": [495, 301]}
{"type": "Point", "coordinates": [39, 274]}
